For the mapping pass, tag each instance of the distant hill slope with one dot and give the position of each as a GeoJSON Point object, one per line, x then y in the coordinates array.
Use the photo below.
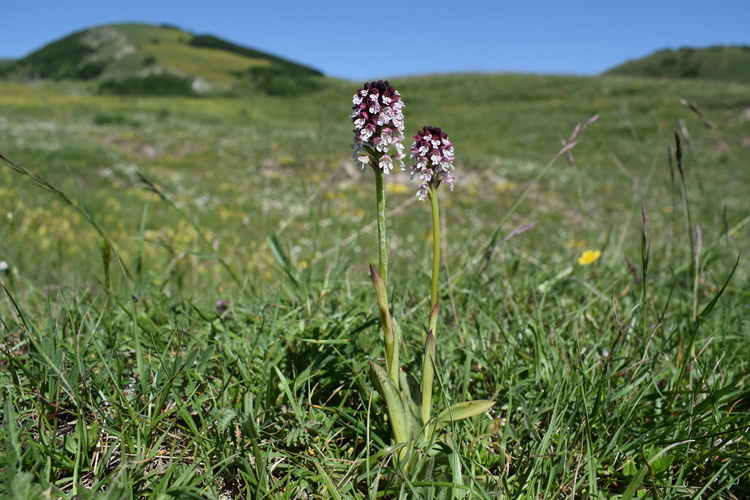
{"type": "Point", "coordinates": [121, 56]}
{"type": "Point", "coordinates": [726, 63]}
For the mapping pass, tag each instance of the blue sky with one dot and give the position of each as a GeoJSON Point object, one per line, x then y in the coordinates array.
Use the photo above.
{"type": "Point", "coordinates": [376, 39]}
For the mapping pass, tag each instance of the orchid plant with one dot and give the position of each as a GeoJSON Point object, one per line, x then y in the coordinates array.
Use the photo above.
{"type": "Point", "coordinates": [378, 134]}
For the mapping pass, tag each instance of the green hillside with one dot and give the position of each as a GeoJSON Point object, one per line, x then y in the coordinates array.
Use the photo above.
{"type": "Point", "coordinates": [141, 58]}
{"type": "Point", "coordinates": [725, 63]}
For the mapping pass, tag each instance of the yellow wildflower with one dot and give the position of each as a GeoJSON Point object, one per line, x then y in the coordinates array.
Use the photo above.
{"type": "Point", "coordinates": [589, 257]}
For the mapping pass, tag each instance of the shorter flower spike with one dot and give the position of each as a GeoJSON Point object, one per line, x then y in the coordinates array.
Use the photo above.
{"type": "Point", "coordinates": [434, 157]}
{"type": "Point", "coordinates": [378, 125]}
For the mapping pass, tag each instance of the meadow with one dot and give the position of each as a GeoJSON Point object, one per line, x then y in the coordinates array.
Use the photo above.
{"type": "Point", "coordinates": [187, 310]}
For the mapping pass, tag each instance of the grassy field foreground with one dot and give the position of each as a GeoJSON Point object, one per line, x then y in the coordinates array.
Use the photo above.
{"type": "Point", "coordinates": [123, 376]}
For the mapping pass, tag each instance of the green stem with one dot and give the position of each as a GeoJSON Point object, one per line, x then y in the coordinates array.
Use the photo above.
{"type": "Point", "coordinates": [435, 256]}
{"type": "Point", "coordinates": [428, 376]}
{"type": "Point", "coordinates": [390, 335]}
{"type": "Point", "coordinates": [382, 238]}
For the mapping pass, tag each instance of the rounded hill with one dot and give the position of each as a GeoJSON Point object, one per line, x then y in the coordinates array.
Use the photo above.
{"type": "Point", "coordinates": [143, 58]}
{"type": "Point", "coordinates": [724, 63]}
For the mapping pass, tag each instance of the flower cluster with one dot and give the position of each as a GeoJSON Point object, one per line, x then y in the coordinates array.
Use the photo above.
{"type": "Point", "coordinates": [378, 125]}
{"type": "Point", "coordinates": [434, 155]}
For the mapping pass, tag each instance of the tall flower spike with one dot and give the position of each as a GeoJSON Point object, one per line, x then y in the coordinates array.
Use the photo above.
{"type": "Point", "coordinates": [378, 125]}
{"type": "Point", "coordinates": [434, 157]}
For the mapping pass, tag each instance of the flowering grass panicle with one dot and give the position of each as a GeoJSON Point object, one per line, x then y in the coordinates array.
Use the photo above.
{"type": "Point", "coordinates": [434, 157]}
{"type": "Point", "coordinates": [378, 125]}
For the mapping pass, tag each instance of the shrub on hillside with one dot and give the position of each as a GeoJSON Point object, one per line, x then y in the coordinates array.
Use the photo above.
{"type": "Point", "coordinates": [164, 84]}
{"type": "Point", "coordinates": [280, 81]}
{"type": "Point", "coordinates": [63, 59]}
